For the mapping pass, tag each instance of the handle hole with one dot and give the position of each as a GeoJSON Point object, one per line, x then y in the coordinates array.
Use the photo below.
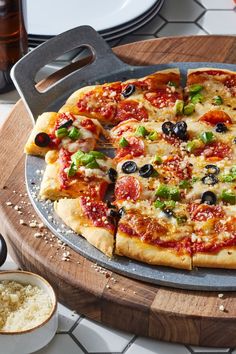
{"type": "Point", "coordinates": [61, 67]}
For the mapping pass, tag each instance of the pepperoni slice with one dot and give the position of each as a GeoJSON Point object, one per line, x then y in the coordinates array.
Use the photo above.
{"type": "Point", "coordinates": [134, 149]}
{"type": "Point", "coordinates": [176, 168]}
{"type": "Point", "coordinates": [203, 212]}
{"type": "Point", "coordinates": [216, 151]}
{"type": "Point", "coordinates": [162, 97]}
{"type": "Point", "coordinates": [100, 102]}
{"type": "Point", "coordinates": [127, 187]}
{"type": "Point", "coordinates": [124, 127]}
{"type": "Point", "coordinates": [128, 109]}
{"type": "Point", "coordinates": [97, 212]}
{"type": "Point", "coordinates": [89, 125]}
{"type": "Point", "coordinates": [144, 227]}
{"type": "Point", "coordinates": [214, 117]}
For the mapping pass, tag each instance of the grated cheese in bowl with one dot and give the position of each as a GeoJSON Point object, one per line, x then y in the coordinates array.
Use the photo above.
{"type": "Point", "coordinates": [22, 306]}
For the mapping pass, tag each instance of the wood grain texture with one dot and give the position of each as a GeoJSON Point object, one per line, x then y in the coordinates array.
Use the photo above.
{"type": "Point", "coordinates": [188, 317]}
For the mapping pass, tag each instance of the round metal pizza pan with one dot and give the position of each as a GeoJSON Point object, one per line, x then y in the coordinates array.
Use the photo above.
{"type": "Point", "coordinates": [197, 279]}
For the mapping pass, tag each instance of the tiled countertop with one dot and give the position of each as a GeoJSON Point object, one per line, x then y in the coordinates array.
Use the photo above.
{"type": "Point", "coordinates": [77, 334]}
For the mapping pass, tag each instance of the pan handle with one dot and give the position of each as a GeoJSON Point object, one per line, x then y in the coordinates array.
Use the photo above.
{"type": "Point", "coordinates": [3, 250]}
{"type": "Point", "coordinates": [24, 71]}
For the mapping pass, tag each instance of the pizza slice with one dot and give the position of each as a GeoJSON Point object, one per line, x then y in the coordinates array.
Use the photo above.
{"type": "Point", "coordinates": [55, 130]}
{"type": "Point", "coordinates": [147, 234]}
{"type": "Point", "coordinates": [89, 218]}
{"type": "Point", "coordinates": [209, 90]}
{"type": "Point", "coordinates": [75, 174]}
{"type": "Point", "coordinates": [214, 235]}
{"type": "Point", "coordinates": [156, 96]}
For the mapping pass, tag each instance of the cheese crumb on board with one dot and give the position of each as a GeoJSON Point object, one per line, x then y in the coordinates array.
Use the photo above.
{"type": "Point", "coordinates": [22, 306]}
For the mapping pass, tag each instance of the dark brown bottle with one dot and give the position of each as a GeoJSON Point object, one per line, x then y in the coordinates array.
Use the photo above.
{"type": "Point", "coordinates": [13, 39]}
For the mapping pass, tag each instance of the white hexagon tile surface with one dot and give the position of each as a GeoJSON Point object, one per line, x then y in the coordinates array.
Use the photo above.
{"type": "Point", "coordinates": [78, 335]}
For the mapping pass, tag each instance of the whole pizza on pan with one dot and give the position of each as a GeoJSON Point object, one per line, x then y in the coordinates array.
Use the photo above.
{"type": "Point", "coordinates": [173, 176]}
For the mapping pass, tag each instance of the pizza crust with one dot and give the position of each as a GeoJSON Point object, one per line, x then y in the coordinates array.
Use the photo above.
{"type": "Point", "coordinates": [45, 124]}
{"type": "Point", "coordinates": [225, 258]}
{"type": "Point", "coordinates": [132, 247]}
{"type": "Point", "coordinates": [70, 211]}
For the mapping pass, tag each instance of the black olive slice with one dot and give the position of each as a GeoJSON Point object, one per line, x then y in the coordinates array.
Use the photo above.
{"type": "Point", "coordinates": [128, 90]}
{"type": "Point", "coordinates": [42, 139]}
{"type": "Point", "coordinates": [67, 124]}
{"type": "Point", "coordinates": [221, 128]}
{"type": "Point", "coordinates": [121, 212]}
{"type": "Point", "coordinates": [110, 205]}
{"type": "Point", "coordinates": [180, 130]}
{"type": "Point", "coordinates": [212, 169]}
{"type": "Point", "coordinates": [167, 128]}
{"type": "Point", "coordinates": [146, 170]}
{"type": "Point", "coordinates": [168, 212]}
{"type": "Point", "coordinates": [114, 213]}
{"type": "Point", "coordinates": [210, 180]}
{"type": "Point", "coordinates": [112, 174]}
{"type": "Point", "coordinates": [208, 197]}
{"type": "Point", "coordinates": [129, 167]}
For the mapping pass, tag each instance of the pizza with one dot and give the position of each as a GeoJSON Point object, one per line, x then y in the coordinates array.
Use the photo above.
{"type": "Point", "coordinates": [146, 168]}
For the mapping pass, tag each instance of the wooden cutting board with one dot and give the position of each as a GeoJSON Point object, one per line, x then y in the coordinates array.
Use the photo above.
{"type": "Point", "coordinates": [190, 317]}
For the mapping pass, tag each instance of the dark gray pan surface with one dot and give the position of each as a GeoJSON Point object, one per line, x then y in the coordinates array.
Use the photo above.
{"type": "Point", "coordinates": [104, 68]}
{"type": "Point", "coordinates": [197, 279]}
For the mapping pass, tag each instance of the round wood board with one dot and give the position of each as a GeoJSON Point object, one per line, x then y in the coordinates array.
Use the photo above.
{"type": "Point", "coordinates": [189, 317]}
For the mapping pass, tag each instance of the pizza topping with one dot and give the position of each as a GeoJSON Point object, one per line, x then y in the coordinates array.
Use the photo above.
{"type": "Point", "coordinates": [178, 107]}
{"type": "Point", "coordinates": [203, 212]}
{"type": "Point", "coordinates": [221, 128]}
{"type": "Point", "coordinates": [167, 128]}
{"type": "Point", "coordinates": [189, 109]}
{"type": "Point", "coordinates": [141, 131]}
{"type": "Point", "coordinates": [97, 212]}
{"type": "Point", "coordinates": [207, 137]}
{"type": "Point", "coordinates": [162, 97]}
{"type": "Point", "coordinates": [195, 88]}
{"type": "Point", "coordinates": [146, 171]}
{"type": "Point", "coordinates": [216, 116]}
{"type": "Point", "coordinates": [212, 169]}
{"type": "Point", "coordinates": [209, 198]}
{"type": "Point", "coordinates": [128, 90]}
{"type": "Point", "coordinates": [129, 167]}
{"type": "Point", "coordinates": [228, 196]}
{"type": "Point", "coordinates": [168, 192]}
{"type": "Point", "coordinates": [174, 167]}
{"type": "Point", "coordinates": [128, 109]}
{"type": "Point", "coordinates": [134, 148]}
{"type": "Point", "coordinates": [210, 179]}
{"type": "Point", "coordinates": [217, 100]}
{"type": "Point", "coordinates": [180, 130]}
{"type": "Point", "coordinates": [42, 139]}
{"type": "Point", "coordinates": [230, 177]}
{"type": "Point", "coordinates": [61, 133]}
{"type": "Point", "coordinates": [216, 150]}
{"type": "Point", "coordinates": [123, 142]}
{"type": "Point", "coordinates": [152, 136]}
{"type": "Point", "coordinates": [127, 187]}
{"type": "Point", "coordinates": [198, 98]}
{"type": "Point", "coordinates": [74, 133]}
{"type": "Point", "coordinates": [144, 227]}
{"type": "Point", "coordinates": [112, 174]}
{"type": "Point", "coordinates": [66, 124]}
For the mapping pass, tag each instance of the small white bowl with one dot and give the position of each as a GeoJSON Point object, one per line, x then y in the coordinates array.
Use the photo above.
{"type": "Point", "coordinates": [28, 341]}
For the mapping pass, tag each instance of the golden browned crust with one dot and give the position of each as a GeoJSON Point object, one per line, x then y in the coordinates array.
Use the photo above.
{"type": "Point", "coordinates": [70, 211]}
{"type": "Point", "coordinates": [132, 247]}
{"type": "Point", "coordinates": [44, 123]}
{"type": "Point", "coordinates": [225, 258]}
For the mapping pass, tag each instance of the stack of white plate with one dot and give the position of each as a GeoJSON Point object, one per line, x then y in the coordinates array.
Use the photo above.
{"type": "Point", "coordinates": [111, 18]}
